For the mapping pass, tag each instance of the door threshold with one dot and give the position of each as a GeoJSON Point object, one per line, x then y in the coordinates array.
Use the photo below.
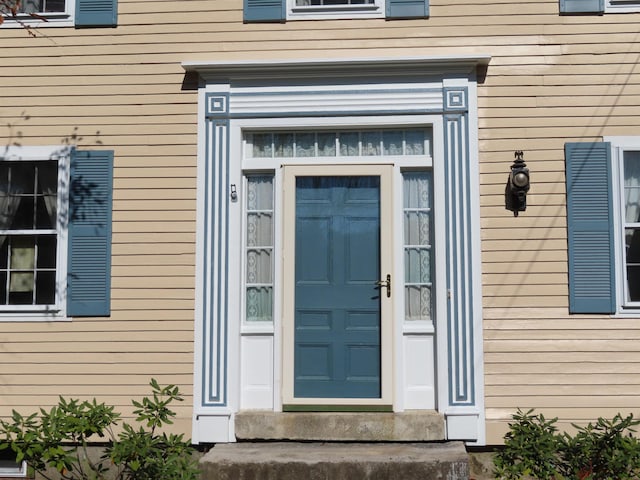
{"type": "Point", "coordinates": [337, 408]}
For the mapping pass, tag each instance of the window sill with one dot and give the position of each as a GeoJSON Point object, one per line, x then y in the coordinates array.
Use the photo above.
{"type": "Point", "coordinates": [7, 315]}
{"type": "Point", "coordinates": [52, 20]}
{"type": "Point", "coordinates": [347, 12]}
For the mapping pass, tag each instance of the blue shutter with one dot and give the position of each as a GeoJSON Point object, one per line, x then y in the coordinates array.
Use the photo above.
{"type": "Point", "coordinates": [582, 6]}
{"type": "Point", "coordinates": [96, 13]}
{"type": "Point", "coordinates": [89, 219]}
{"type": "Point", "coordinates": [264, 10]}
{"type": "Point", "coordinates": [407, 8]}
{"type": "Point", "coordinates": [590, 228]}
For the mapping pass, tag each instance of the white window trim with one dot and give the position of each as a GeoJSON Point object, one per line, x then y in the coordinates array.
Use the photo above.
{"type": "Point", "coordinates": [53, 19]}
{"type": "Point", "coordinates": [619, 144]}
{"type": "Point", "coordinates": [335, 12]}
{"type": "Point", "coordinates": [622, 6]}
{"type": "Point", "coordinates": [58, 311]}
{"type": "Point", "coordinates": [20, 472]}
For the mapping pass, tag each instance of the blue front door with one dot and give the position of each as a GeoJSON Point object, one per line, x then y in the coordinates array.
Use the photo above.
{"type": "Point", "coordinates": [337, 303]}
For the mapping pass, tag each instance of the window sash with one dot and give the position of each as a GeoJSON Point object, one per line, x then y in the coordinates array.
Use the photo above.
{"type": "Point", "coordinates": [417, 245]}
{"type": "Point", "coordinates": [32, 260]}
{"type": "Point", "coordinates": [259, 248]}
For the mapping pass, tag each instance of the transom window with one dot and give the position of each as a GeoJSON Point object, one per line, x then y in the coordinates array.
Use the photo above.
{"type": "Point", "coordinates": [347, 143]}
{"type": "Point", "coordinates": [28, 232]}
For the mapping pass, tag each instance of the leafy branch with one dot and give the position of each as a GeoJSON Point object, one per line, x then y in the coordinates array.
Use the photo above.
{"type": "Point", "coordinates": [59, 438]}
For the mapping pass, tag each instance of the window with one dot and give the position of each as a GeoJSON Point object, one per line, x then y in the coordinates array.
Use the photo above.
{"type": "Point", "coordinates": [55, 232]}
{"type": "Point", "coordinates": [29, 232]}
{"type": "Point", "coordinates": [630, 222]}
{"type": "Point", "coordinates": [418, 264]}
{"type": "Point", "coordinates": [603, 220]}
{"type": "Point", "coordinates": [622, 6]}
{"type": "Point", "coordinates": [9, 468]}
{"type": "Point", "coordinates": [42, 6]}
{"type": "Point", "coordinates": [281, 10]}
{"type": "Point", "coordinates": [259, 249]}
{"type": "Point", "coordinates": [334, 8]}
{"type": "Point", "coordinates": [44, 13]}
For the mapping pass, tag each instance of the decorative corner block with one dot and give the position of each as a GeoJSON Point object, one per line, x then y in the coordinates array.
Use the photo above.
{"type": "Point", "coordinates": [217, 104]}
{"type": "Point", "coordinates": [456, 99]}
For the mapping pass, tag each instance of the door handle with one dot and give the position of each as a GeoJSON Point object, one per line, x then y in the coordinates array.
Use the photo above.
{"type": "Point", "coordinates": [385, 283]}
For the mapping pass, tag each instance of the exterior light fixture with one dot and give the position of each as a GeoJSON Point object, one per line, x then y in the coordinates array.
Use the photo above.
{"type": "Point", "coordinates": [515, 193]}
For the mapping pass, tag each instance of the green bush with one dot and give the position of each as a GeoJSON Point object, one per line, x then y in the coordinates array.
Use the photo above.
{"type": "Point", "coordinates": [59, 439]}
{"type": "Point", "coordinates": [533, 447]}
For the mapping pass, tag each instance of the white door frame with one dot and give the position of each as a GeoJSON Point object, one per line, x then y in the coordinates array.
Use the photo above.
{"type": "Point", "coordinates": [385, 172]}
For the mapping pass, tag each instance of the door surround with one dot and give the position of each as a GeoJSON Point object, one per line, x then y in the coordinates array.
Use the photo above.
{"type": "Point", "coordinates": [441, 91]}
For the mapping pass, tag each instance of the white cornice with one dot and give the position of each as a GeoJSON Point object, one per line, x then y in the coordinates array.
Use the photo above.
{"type": "Point", "coordinates": [338, 67]}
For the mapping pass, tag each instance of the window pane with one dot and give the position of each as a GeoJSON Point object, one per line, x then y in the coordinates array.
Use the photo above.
{"type": "Point", "coordinates": [46, 252]}
{"type": "Point", "coordinates": [259, 304]}
{"type": "Point", "coordinates": [417, 303]}
{"type": "Point", "coordinates": [4, 252]}
{"type": "Point", "coordinates": [260, 193]}
{"type": "Point", "coordinates": [632, 246]}
{"type": "Point", "coordinates": [415, 142]}
{"type": "Point", "coordinates": [259, 229]}
{"type": "Point", "coordinates": [349, 144]}
{"type": "Point", "coordinates": [259, 266]}
{"type": "Point", "coordinates": [3, 288]}
{"type": "Point", "coordinates": [283, 144]}
{"type": "Point", "coordinates": [392, 141]}
{"type": "Point", "coordinates": [305, 145]}
{"type": "Point", "coordinates": [261, 145]}
{"type": "Point", "coordinates": [632, 186]}
{"type": "Point", "coordinates": [416, 228]}
{"type": "Point", "coordinates": [24, 218]}
{"type": "Point", "coordinates": [417, 186]}
{"type": "Point", "coordinates": [417, 265]}
{"type": "Point", "coordinates": [46, 288]}
{"type": "Point", "coordinates": [30, 6]}
{"type": "Point", "coordinates": [54, 6]}
{"type": "Point", "coordinates": [326, 144]}
{"type": "Point", "coordinates": [371, 143]}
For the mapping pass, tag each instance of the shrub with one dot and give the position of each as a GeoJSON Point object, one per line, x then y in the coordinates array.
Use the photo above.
{"type": "Point", "coordinates": [59, 438]}
{"type": "Point", "coordinates": [606, 450]}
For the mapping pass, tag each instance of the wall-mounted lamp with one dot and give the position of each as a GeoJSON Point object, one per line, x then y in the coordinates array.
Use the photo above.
{"type": "Point", "coordinates": [515, 194]}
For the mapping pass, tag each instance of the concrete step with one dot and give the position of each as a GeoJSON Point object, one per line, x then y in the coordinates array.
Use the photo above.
{"type": "Point", "coordinates": [408, 426]}
{"type": "Point", "coordinates": [335, 461]}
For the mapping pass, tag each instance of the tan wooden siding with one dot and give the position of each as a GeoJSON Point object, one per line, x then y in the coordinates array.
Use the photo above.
{"type": "Point", "coordinates": [551, 79]}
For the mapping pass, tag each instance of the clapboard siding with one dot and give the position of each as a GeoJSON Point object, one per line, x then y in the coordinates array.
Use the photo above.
{"type": "Point", "coordinates": [551, 79]}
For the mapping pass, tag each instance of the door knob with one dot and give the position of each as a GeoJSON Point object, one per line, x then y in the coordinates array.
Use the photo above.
{"type": "Point", "coordinates": [385, 283]}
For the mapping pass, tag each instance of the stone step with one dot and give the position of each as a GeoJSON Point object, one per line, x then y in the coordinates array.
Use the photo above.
{"type": "Point", "coordinates": [335, 461]}
{"type": "Point", "coordinates": [408, 426]}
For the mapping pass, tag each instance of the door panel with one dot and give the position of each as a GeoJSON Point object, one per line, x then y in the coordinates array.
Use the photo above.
{"type": "Point", "coordinates": [337, 252]}
{"type": "Point", "coordinates": [337, 328]}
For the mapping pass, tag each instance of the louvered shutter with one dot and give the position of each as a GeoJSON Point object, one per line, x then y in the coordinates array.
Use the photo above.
{"type": "Point", "coordinates": [582, 6]}
{"type": "Point", "coordinates": [96, 13]}
{"type": "Point", "coordinates": [407, 8]}
{"type": "Point", "coordinates": [590, 228]}
{"type": "Point", "coordinates": [264, 10]}
{"type": "Point", "coordinates": [89, 219]}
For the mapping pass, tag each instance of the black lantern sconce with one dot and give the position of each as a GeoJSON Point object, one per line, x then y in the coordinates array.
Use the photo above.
{"type": "Point", "coordinates": [515, 194]}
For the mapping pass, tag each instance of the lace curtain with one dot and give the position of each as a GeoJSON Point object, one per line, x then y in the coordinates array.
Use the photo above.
{"type": "Point", "coordinates": [259, 249]}
{"type": "Point", "coordinates": [370, 143]}
{"type": "Point", "coordinates": [417, 245]}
